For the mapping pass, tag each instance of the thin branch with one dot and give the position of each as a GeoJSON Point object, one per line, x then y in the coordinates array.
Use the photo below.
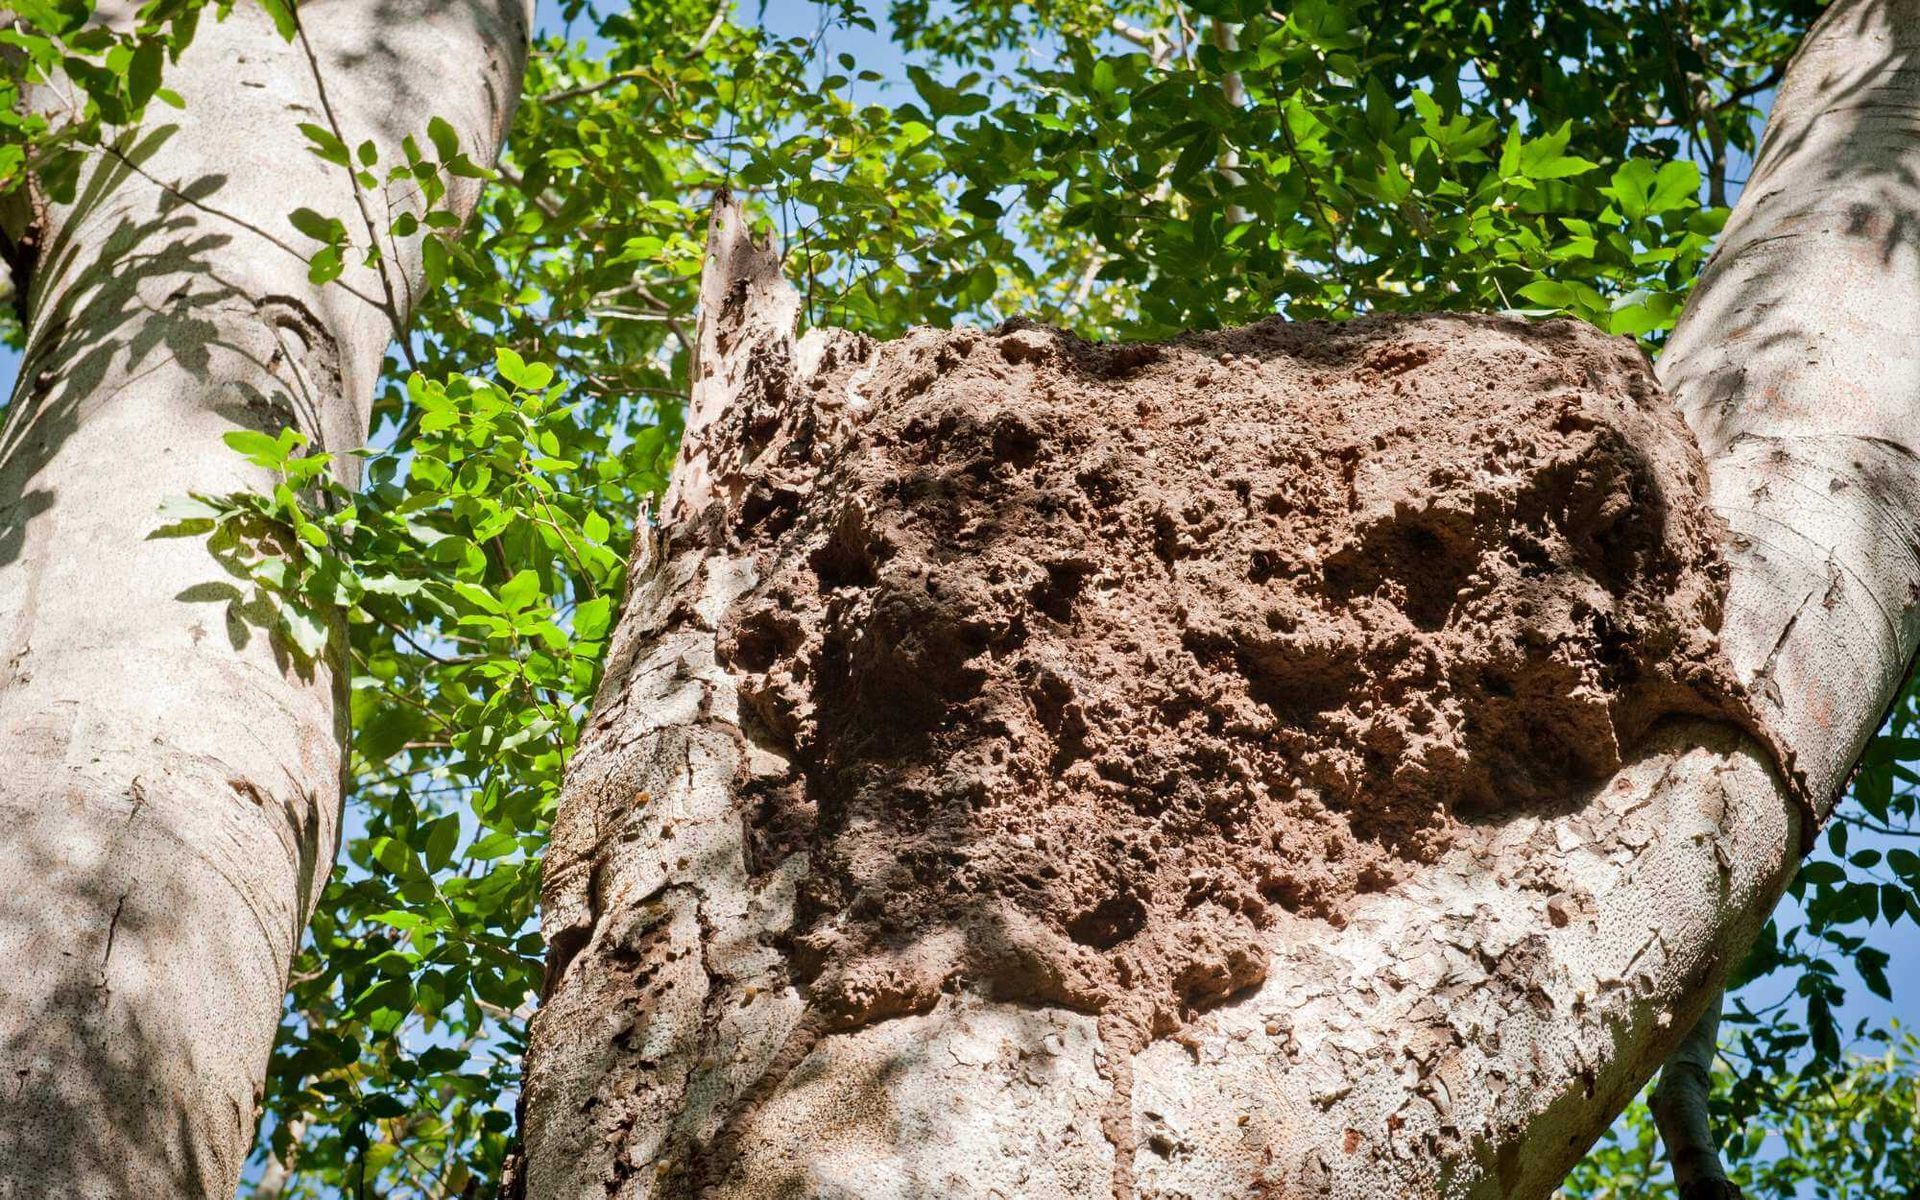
{"type": "Point", "coordinates": [1759, 85]}
{"type": "Point", "coordinates": [1872, 826]}
{"type": "Point", "coordinates": [1234, 91]}
{"type": "Point", "coordinates": [587, 89]}
{"type": "Point", "coordinates": [713, 27]}
{"type": "Point", "coordinates": [359, 198]}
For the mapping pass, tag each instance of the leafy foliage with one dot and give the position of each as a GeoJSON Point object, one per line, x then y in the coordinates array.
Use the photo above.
{"type": "Point", "coordinates": [69, 87]}
{"type": "Point", "coordinates": [477, 581]}
{"type": "Point", "coordinates": [101, 78]}
{"type": "Point", "coordinates": [1866, 875]}
{"type": "Point", "coordinates": [1849, 1133]}
{"type": "Point", "coordinates": [1126, 168]}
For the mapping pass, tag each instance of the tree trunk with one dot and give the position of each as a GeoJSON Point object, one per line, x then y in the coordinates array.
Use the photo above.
{"type": "Point", "coordinates": [172, 775]}
{"type": "Point", "coordinates": [1467, 1031]}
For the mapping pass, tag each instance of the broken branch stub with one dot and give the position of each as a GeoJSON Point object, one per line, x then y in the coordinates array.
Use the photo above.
{"type": "Point", "coordinates": [743, 360]}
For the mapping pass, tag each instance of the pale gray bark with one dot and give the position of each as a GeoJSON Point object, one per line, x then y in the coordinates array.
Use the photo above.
{"type": "Point", "coordinates": [1680, 1111]}
{"type": "Point", "coordinates": [1470, 1032]}
{"type": "Point", "coordinates": [169, 777]}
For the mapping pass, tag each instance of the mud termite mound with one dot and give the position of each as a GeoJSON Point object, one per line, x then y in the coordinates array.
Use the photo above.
{"type": "Point", "coordinates": [1086, 658]}
{"type": "Point", "coordinates": [1003, 668]}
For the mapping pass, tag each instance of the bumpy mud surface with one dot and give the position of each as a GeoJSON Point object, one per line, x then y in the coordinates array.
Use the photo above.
{"type": "Point", "coordinates": [1090, 659]}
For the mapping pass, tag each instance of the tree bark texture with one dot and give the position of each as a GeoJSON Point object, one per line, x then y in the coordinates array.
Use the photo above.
{"type": "Point", "coordinates": [1461, 1035]}
{"type": "Point", "coordinates": [170, 779]}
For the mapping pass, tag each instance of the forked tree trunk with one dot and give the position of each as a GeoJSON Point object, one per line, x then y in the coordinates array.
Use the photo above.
{"type": "Point", "coordinates": [1465, 1032]}
{"type": "Point", "coordinates": [169, 776]}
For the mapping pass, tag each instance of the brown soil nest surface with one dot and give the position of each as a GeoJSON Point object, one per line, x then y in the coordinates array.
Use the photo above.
{"type": "Point", "coordinates": [1091, 660]}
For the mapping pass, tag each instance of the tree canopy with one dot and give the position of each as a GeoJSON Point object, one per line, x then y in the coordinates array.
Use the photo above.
{"type": "Point", "coordinates": [1127, 170]}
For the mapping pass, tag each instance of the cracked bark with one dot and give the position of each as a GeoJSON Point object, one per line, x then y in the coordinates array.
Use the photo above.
{"type": "Point", "coordinates": [172, 778]}
{"type": "Point", "coordinates": [1463, 1035]}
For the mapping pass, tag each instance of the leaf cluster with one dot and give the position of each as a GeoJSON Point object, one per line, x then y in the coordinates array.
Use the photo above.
{"type": "Point", "coordinates": [468, 586]}
{"type": "Point", "coordinates": [1849, 1134]}
{"type": "Point", "coordinates": [69, 83]}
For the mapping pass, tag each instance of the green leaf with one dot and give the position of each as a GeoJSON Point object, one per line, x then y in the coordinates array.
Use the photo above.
{"type": "Point", "coordinates": [323, 142]}
{"type": "Point", "coordinates": [307, 628]}
{"type": "Point", "coordinates": [520, 591]}
{"type": "Point", "coordinates": [392, 585]}
{"type": "Point", "coordinates": [317, 227]}
{"type": "Point", "coordinates": [1632, 185]}
{"type": "Point", "coordinates": [591, 618]}
{"type": "Point", "coordinates": [495, 845]}
{"type": "Point", "coordinates": [537, 728]}
{"type": "Point", "coordinates": [143, 72]}
{"type": "Point", "coordinates": [1676, 186]}
{"type": "Point", "coordinates": [479, 597]}
{"type": "Point", "coordinates": [510, 365]}
{"type": "Point", "coordinates": [325, 266]}
{"type": "Point", "coordinates": [1198, 155]}
{"type": "Point", "coordinates": [1820, 871]}
{"type": "Point", "coordinates": [186, 516]}
{"type": "Point", "coordinates": [944, 101]}
{"type": "Point", "coordinates": [446, 143]}
{"type": "Point", "coordinates": [442, 836]}
{"type": "Point", "coordinates": [283, 19]}
{"type": "Point", "coordinates": [1550, 293]}
{"type": "Point", "coordinates": [259, 448]}
{"type": "Point", "coordinates": [188, 508]}
{"type": "Point", "coordinates": [1906, 863]}
{"type": "Point", "coordinates": [1560, 166]}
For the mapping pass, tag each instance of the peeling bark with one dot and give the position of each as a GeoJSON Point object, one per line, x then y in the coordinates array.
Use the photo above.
{"type": "Point", "coordinates": [1472, 1029]}
{"type": "Point", "coordinates": [172, 777]}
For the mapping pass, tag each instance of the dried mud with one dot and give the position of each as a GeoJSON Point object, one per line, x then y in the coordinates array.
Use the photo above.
{"type": "Point", "coordinates": [1091, 660]}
